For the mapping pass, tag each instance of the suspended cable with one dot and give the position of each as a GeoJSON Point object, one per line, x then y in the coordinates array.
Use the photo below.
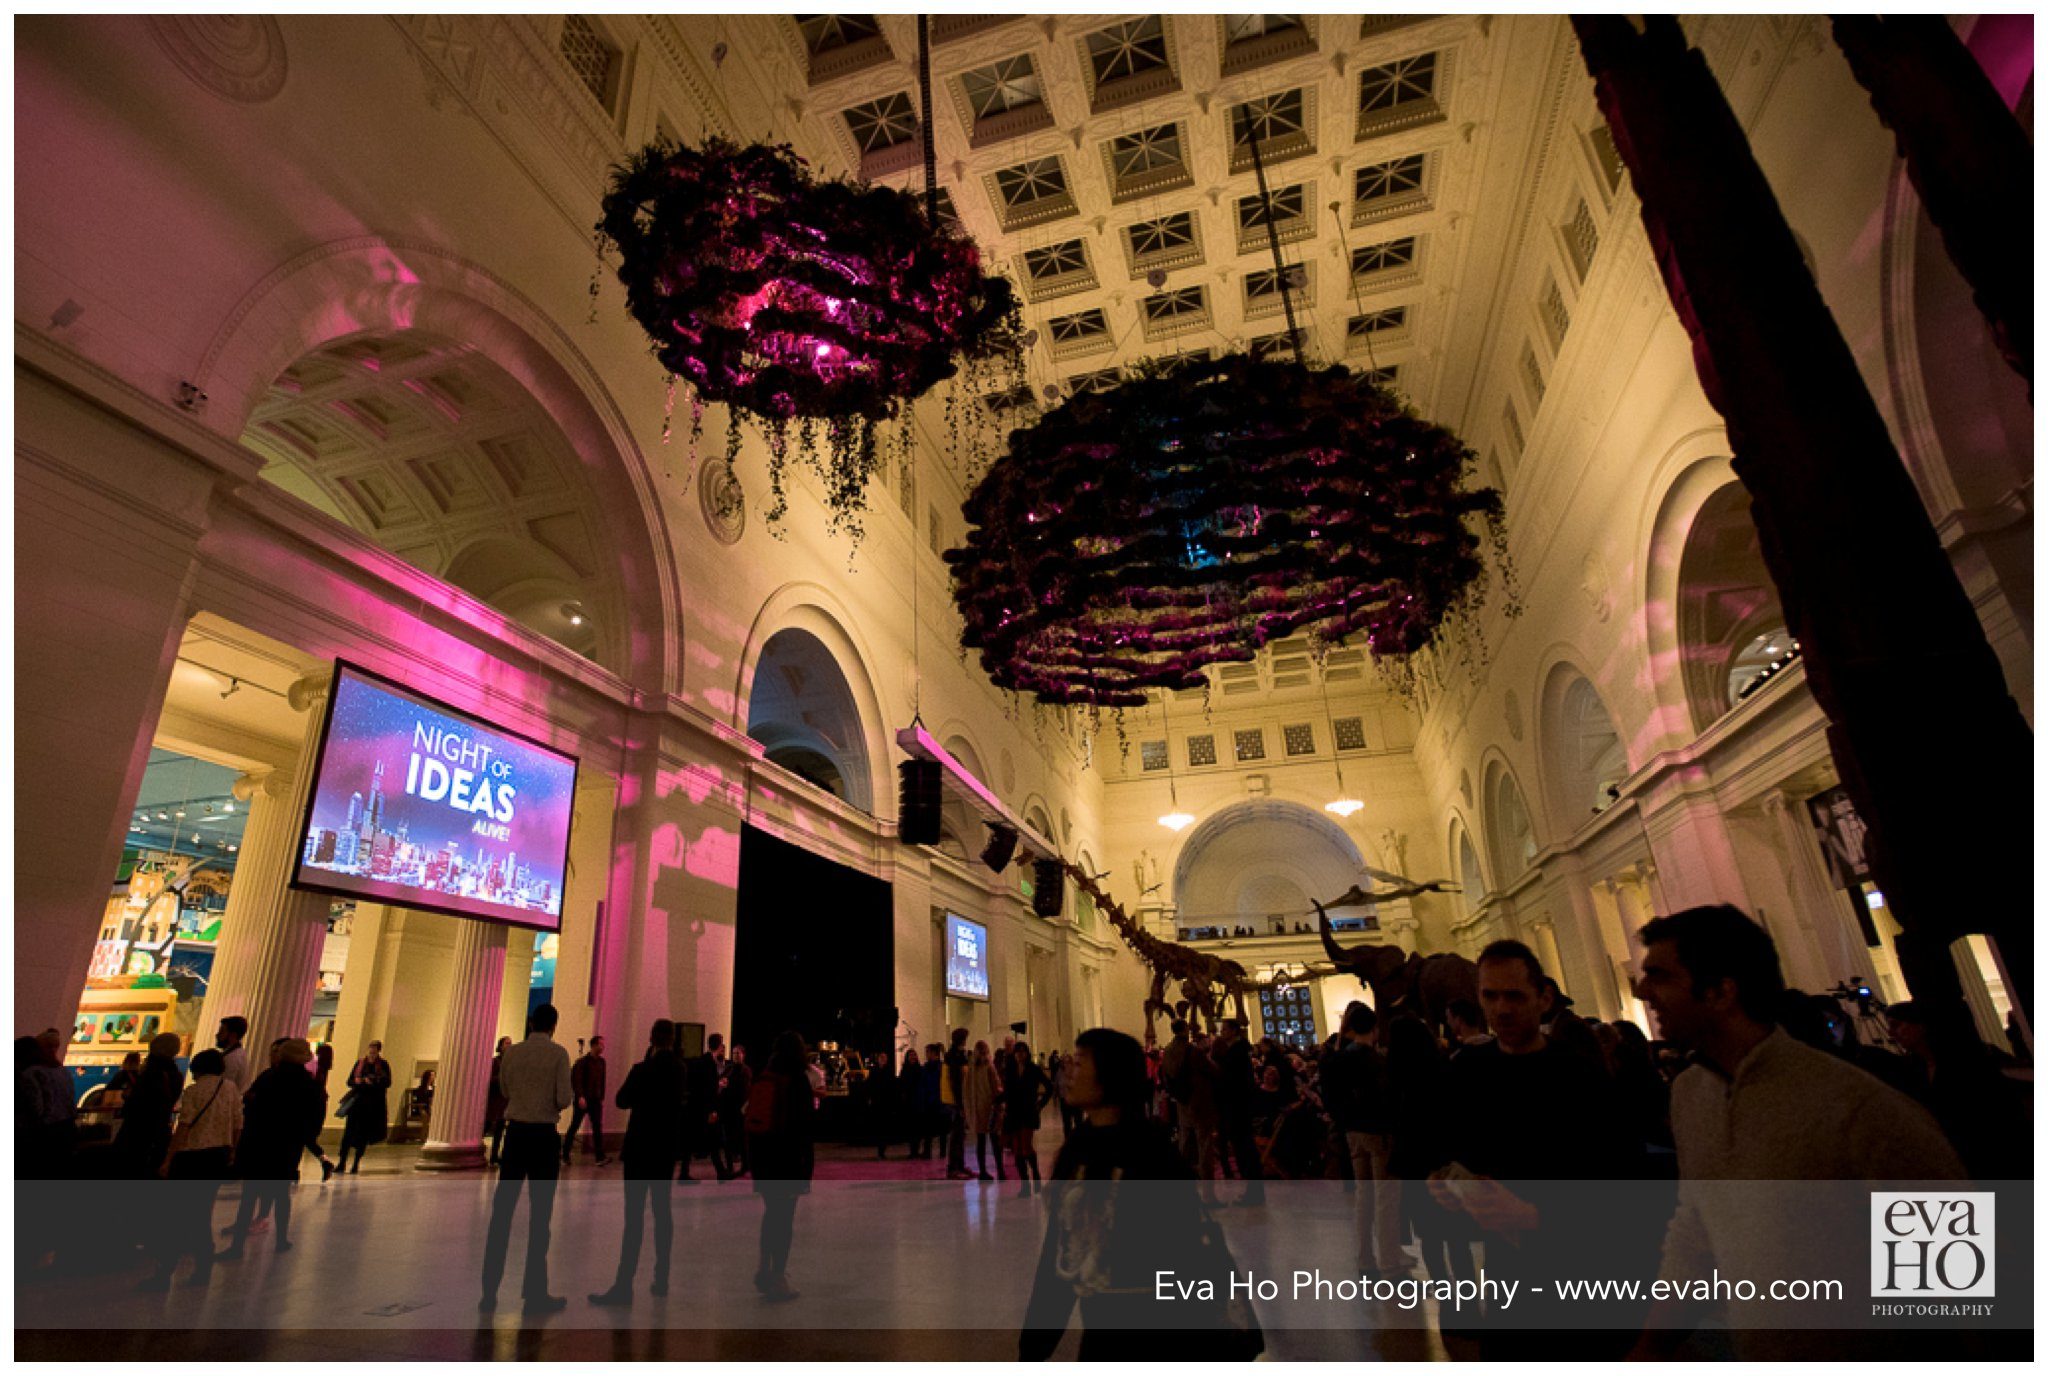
{"type": "Point", "coordinates": [1273, 237]}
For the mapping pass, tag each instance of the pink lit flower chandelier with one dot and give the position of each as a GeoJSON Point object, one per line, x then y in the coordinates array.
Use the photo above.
{"type": "Point", "coordinates": [1199, 509]}
{"type": "Point", "coordinates": [799, 299]}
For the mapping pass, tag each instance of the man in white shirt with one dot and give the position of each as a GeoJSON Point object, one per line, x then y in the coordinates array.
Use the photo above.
{"type": "Point", "coordinates": [534, 1076]}
{"type": "Point", "coordinates": [229, 1039]}
{"type": "Point", "coordinates": [1761, 1122]}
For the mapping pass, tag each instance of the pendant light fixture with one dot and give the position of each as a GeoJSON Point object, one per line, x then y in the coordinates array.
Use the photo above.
{"type": "Point", "coordinates": [1343, 804]}
{"type": "Point", "coordinates": [1175, 819]}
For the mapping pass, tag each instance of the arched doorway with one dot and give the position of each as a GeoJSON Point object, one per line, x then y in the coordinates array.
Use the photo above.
{"type": "Point", "coordinates": [1508, 826]}
{"type": "Point", "coordinates": [439, 456]}
{"type": "Point", "coordinates": [1584, 761]}
{"type": "Point", "coordinates": [1730, 624]}
{"type": "Point", "coordinates": [1257, 864]}
{"type": "Point", "coordinates": [802, 709]}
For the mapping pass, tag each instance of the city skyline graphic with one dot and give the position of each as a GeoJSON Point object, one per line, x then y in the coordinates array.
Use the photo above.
{"type": "Point", "coordinates": [417, 805]}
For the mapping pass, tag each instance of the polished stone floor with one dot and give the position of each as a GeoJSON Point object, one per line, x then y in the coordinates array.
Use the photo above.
{"type": "Point", "coordinates": [892, 1264]}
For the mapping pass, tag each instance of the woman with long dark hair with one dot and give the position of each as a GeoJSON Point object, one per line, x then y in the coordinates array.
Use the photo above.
{"type": "Point", "coordinates": [145, 1136]}
{"type": "Point", "coordinates": [781, 1118]}
{"type": "Point", "coordinates": [366, 1110]}
{"type": "Point", "coordinates": [981, 1095]}
{"type": "Point", "coordinates": [1025, 1095]}
{"type": "Point", "coordinates": [1121, 1208]}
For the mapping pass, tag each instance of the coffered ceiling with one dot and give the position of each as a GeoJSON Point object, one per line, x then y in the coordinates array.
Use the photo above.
{"type": "Point", "coordinates": [1106, 162]}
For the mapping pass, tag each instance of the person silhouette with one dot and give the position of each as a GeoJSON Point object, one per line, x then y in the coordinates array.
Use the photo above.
{"type": "Point", "coordinates": [535, 1078]}
{"type": "Point", "coordinates": [653, 1094]}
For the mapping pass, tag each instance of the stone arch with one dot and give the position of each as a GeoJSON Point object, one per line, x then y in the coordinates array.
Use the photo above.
{"type": "Point", "coordinates": [960, 819]}
{"type": "Point", "coordinates": [373, 286]}
{"type": "Point", "coordinates": [1464, 857]}
{"type": "Point", "coordinates": [1727, 607]}
{"type": "Point", "coordinates": [1509, 827]}
{"type": "Point", "coordinates": [860, 751]}
{"type": "Point", "coordinates": [1579, 749]}
{"type": "Point", "coordinates": [1037, 815]}
{"type": "Point", "coordinates": [1261, 857]}
{"type": "Point", "coordinates": [1965, 418]}
{"type": "Point", "coordinates": [1689, 476]}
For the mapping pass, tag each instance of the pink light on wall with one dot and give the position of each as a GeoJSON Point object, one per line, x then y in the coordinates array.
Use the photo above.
{"type": "Point", "coordinates": [2003, 45]}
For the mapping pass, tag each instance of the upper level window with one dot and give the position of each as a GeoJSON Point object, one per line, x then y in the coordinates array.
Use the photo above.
{"type": "Point", "coordinates": [1169, 240]}
{"type": "Point", "coordinates": [1033, 191]}
{"type": "Point", "coordinates": [824, 33]}
{"type": "Point", "coordinates": [883, 123]}
{"type": "Point", "coordinates": [1010, 84]}
{"type": "Point", "coordinates": [1005, 99]}
{"type": "Point", "coordinates": [1394, 253]}
{"type": "Point", "coordinates": [1148, 161]}
{"type": "Point", "coordinates": [594, 61]}
{"type": "Point", "coordinates": [840, 44]}
{"type": "Point", "coordinates": [1174, 312]}
{"type": "Point", "coordinates": [1282, 124]}
{"type": "Point", "coordinates": [1607, 156]}
{"type": "Point", "coordinates": [1081, 332]}
{"type": "Point", "coordinates": [1398, 94]}
{"type": "Point", "coordinates": [1557, 317]}
{"type": "Point", "coordinates": [1057, 270]}
{"type": "Point", "coordinates": [1582, 239]}
{"type": "Point", "coordinates": [1394, 187]}
{"type": "Point", "coordinates": [1255, 40]}
{"type": "Point", "coordinates": [1239, 28]}
{"type": "Point", "coordinates": [1169, 304]}
{"type": "Point", "coordinates": [1289, 203]}
{"type": "Point", "coordinates": [1127, 50]}
{"type": "Point", "coordinates": [1377, 322]}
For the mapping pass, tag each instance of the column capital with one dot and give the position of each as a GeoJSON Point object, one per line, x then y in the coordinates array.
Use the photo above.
{"type": "Point", "coordinates": [265, 780]}
{"type": "Point", "coordinates": [308, 693]}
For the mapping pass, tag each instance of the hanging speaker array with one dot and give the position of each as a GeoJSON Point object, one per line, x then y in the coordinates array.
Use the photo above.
{"type": "Point", "coordinates": [919, 796]}
{"type": "Point", "coordinates": [1048, 887]}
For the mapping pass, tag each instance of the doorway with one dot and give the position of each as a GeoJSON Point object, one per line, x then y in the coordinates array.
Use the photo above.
{"type": "Point", "coordinates": [815, 950]}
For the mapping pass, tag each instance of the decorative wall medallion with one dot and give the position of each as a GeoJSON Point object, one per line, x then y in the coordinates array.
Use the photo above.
{"type": "Point", "coordinates": [238, 57]}
{"type": "Point", "coordinates": [1593, 582]}
{"type": "Point", "coordinates": [1006, 771]}
{"type": "Point", "coordinates": [723, 499]}
{"type": "Point", "coordinates": [1513, 707]}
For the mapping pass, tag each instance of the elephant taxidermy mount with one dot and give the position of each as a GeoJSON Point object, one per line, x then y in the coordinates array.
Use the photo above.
{"type": "Point", "coordinates": [1401, 981]}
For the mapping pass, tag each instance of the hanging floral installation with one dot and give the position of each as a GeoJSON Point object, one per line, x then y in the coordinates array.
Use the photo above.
{"type": "Point", "coordinates": [1201, 508]}
{"type": "Point", "coordinates": [813, 305]}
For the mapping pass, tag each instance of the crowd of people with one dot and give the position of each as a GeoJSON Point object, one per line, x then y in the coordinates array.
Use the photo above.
{"type": "Point", "coordinates": [937, 1101]}
{"type": "Point", "coordinates": [1476, 1134]}
{"type": "Point", "coordinates": [1275, 926]}
{"type": "Point", "coordinates": [1461, 1136]}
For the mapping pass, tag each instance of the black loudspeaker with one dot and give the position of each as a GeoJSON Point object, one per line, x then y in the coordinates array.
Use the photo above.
{"type": "Point", "coordinates": [1048, 887]}
{"type": "Point", "coordinates": [1002, 844]}
{"type": "Point", "coordinates": [919, 795]}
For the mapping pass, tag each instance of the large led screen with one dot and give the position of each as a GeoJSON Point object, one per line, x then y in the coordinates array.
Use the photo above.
{"type": "Point", "coordinates": [419, 804]}
{"type": "Point", "coordinates": [966, 958]}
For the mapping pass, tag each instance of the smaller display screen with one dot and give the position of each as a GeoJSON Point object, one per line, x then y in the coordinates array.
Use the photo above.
{"type": "Point", "coordinates": [966, 958]}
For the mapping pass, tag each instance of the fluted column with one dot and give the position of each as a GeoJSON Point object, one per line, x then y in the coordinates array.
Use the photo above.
{"type": "Point", "coordinates": [1831, 939]}
{"type": "Point", "coordinates": [267, 967]}
{"type": "Point", "coordinates": [469, 1033]}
